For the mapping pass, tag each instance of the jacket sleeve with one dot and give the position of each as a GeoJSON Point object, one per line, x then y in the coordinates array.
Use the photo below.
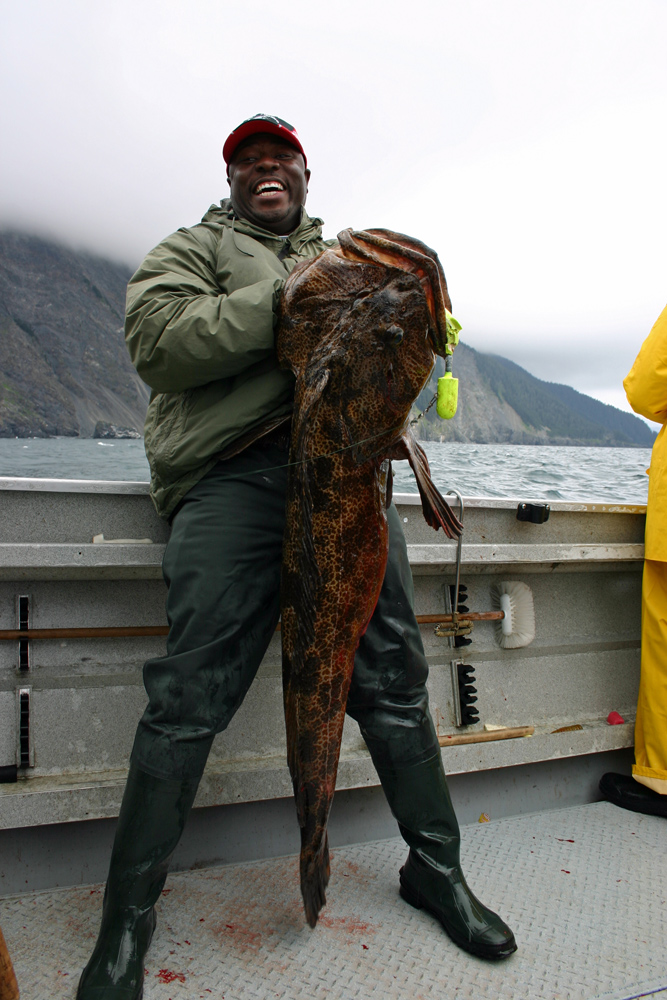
{"type": "Point", "coordinates": [182, 331]}
{"type": "Point", "coordinates": [646, 383]}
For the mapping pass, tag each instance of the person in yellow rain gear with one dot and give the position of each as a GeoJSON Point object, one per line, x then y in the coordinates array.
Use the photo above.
{"type": "Point", "coordinates": [646, 790]}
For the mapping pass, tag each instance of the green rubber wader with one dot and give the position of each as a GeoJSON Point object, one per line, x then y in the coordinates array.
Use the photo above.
{"type": "Point", "coordinates": [222, 569]}
{"type": "Point", "coordinates": [152, 817]}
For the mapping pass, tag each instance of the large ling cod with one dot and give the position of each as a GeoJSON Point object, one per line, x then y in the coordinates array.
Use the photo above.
{"type": "Point", "coordinates": [359, 326]}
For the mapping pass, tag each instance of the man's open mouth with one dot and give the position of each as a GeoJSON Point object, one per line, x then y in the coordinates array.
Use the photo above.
{"type": "Point", "coordinates": [267, 188]}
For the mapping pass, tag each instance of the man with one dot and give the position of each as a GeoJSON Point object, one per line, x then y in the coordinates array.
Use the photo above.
{"type": "Point", "coordinates": [199, 327]}
{"type": "Point", "coordinates": [646, 790]}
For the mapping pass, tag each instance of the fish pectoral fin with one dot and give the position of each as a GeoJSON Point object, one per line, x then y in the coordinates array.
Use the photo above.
{"type": "Point", "coordinates": [310, 391]}
{"type": "Point", "coordinates": [435, 508]}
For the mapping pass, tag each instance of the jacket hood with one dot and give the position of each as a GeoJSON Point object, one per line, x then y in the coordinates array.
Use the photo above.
{"type": "Point", "coordinates": [224, 215]}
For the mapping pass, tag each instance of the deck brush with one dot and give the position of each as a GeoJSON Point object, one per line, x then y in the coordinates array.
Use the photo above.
{"type": "Point", "coordinates": [517, 628]}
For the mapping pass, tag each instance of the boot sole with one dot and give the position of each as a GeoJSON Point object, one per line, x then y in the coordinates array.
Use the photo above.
{"type": "Point", "coordinates": [139, 996]}
{"type": "Point", "coordinates": [481, 951]}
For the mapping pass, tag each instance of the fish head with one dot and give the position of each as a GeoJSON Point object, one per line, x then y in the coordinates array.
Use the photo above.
{"type": "Point", "coordinates": [396, 250]}
{"type": "Point", "coordinates": [379, 356]}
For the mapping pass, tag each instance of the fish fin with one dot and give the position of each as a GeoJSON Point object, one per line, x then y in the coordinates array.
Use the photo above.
{"type": "Point", "coordinates": [436, 510]}
{"type": "Point", "coordinates": [314, 881]}
{"type": "Point", "coordinates": [300, 587]}
{"type": "Point", "coordinates": [291, 728]}
{"type": "Point", "coordinates": [314, 297]}
{"type": "Point", "coordinates": [308, 577]}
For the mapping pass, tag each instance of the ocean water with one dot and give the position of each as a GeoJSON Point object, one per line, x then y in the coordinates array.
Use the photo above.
{"type": "Point", "coordinates": [533, 472]}
{"type": "Point", "coordinates": [529, 472]}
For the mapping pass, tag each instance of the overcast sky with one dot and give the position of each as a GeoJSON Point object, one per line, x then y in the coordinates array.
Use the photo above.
{"type": "Point", "coordinates": [525, 140]}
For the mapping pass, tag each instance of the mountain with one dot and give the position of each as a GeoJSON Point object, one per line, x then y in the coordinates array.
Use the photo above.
{"type": "Point", "coordinates": [64, 366]}
{"type": "Point", "coordinates": [501, 402]}
{"type": "Point", "coordinates": [63, 361]}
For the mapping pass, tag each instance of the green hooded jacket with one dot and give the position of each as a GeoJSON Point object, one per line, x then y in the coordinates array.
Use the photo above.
{"type": "Point", "coordinates": [199, 327]}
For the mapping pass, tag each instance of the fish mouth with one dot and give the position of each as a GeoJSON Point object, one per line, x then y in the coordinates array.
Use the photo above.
{"type": "Point", "coordinates": [269, 188]}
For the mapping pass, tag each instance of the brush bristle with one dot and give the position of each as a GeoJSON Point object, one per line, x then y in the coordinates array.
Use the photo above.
{"type": "Point", "coordinates": [516, 599]}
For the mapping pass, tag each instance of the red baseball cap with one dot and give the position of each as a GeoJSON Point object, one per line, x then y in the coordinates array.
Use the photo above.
{"type": "Point", "coordinates": [261, 123]}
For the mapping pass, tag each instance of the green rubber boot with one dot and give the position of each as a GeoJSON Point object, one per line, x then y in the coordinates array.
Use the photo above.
{"type": "Point", "coordinates": [151, 820]}
{"type": "Point", "coordinates": [431, 877]}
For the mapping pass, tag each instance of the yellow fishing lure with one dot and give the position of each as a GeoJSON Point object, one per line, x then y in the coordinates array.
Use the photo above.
{"type": "Point", "coordinates": [448, 386]}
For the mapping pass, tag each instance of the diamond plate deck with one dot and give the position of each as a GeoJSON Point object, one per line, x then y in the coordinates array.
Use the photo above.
{"type": "Point", "coordinates": [584, 889]}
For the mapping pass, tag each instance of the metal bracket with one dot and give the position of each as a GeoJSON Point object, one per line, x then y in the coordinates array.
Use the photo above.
{"type": "Point", "coordinates": [467, 694]}
{"type": "Point", "coordinates": [23, 616]}
{"type": "Point", "coordinates": [537, 513]}
{"type": "Point", "coordinates": [454, 667]}
{"type": "Point", "coordinates": [25, 752]}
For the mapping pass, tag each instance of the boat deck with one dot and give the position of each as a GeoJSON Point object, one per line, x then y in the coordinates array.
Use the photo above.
{"type": "Point", "coordinates": [584, 889]}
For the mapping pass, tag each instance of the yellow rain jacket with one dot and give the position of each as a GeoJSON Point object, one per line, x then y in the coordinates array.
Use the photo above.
{"type": "Point", "coordinates": [646, 388]}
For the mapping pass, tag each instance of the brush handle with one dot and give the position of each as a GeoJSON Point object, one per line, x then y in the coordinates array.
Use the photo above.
{"type": "Point", "coordinates": [510, 733]}
{"type": "Point", "coordinates": [469, 616]}
{"type": "Point", "coordinates": [125, 632]}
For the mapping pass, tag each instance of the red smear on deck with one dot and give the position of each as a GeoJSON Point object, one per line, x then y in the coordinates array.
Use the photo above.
{"type": "Point", "coordinates": [349, 925]}
{"type": "Point", "coordinates": [564, 841]}
{"type": "Point", "coordinates": [566, 872]}
{"type": "Point", "coordinates": [243, 934]}
{"type": "Point", "coordinates": [167, 976]}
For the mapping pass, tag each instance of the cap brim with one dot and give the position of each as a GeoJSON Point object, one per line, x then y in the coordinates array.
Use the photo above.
{"type": "Point", "coordinates": [256, 127]}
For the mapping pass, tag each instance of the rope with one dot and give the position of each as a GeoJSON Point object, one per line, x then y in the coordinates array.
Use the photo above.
{"type": "Point", "coordinates": [424, 412]}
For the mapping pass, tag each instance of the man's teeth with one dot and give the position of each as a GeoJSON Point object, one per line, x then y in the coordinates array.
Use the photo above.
{"type": "Point", "coordinates": [269, 187]}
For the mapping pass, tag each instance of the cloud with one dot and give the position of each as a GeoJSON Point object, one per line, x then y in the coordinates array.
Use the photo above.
{"type": "Point", "coordinates": [524, 141]}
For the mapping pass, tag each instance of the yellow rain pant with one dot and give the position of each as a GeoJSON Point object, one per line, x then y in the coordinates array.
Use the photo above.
{"type": "Point", "coordinates": [650, 767]}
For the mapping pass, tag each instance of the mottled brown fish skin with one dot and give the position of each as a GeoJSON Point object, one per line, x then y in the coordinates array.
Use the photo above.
{"type": "Point", "coordinates": [342, 592]}
{"type": "Point", "coordinates": [356, 334]}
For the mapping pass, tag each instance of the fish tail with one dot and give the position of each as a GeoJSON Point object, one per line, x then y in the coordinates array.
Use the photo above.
{"type": "Point", "coordinates": [315, 870]}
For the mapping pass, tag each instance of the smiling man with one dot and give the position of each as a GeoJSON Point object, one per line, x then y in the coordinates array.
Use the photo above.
{"type": "Point", "coordinates": [200, 320]}
{"type": "Point", "coordinates": [268, 177]}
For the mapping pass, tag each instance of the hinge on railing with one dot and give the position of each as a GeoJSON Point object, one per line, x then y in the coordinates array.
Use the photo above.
{"type": "Point", "coordinates": [23, 613]}
{"type": "Point", "coordinates": [25, 754]}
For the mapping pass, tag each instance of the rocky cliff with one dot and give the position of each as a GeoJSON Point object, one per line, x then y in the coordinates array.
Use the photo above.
{"type": "Point", "coordinates": [64, 367]}
{"type": "Point", "coordinates": [63, 361]}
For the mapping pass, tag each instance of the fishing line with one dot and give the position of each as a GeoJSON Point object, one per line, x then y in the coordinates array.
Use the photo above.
{"type": "Point", "coordinates": [314, 458]}
{"type": "Point", "coordinates": [330, 454]}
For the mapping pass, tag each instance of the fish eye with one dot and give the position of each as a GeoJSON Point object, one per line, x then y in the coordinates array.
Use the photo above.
{"type": "Point", "coordinates": [394, 335]}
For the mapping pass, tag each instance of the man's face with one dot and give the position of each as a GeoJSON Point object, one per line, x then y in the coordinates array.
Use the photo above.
{"type": "Point", "coordinates": [269, 183]}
